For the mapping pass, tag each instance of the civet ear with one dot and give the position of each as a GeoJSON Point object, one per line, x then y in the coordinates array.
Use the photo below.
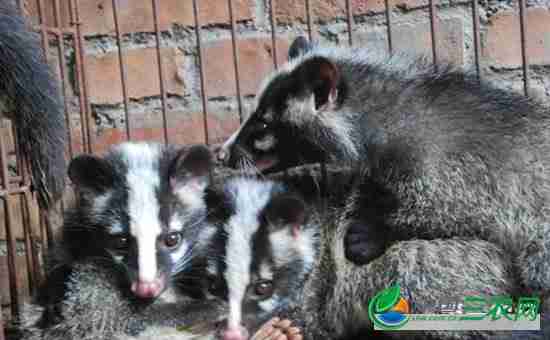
{"type": "Point", "coordinates": [92, 173]}
{"type": "Point", "coordinates": [286, 211]}
{"type": "Point", "coordinates": [299, 46]}
{"type": "Point", "coordinates": [321, 77]}
{"type": "Point", "coordinates": [190, 169]}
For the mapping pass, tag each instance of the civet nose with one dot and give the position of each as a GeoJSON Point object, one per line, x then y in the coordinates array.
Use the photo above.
{"type": "Point", "coordinates": [235, 333]}
{"type": "Point", "coordinates": [147, 290]}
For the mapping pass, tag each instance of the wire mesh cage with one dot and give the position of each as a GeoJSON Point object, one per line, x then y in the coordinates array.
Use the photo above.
{"type": "Point", "coordinates": [186, 72]}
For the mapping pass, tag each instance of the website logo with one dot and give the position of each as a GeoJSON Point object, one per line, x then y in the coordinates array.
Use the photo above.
{"type": "Point", "coordinates": [388, 310]}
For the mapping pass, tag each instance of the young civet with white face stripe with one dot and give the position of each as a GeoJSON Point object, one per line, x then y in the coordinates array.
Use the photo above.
{"type": "Point", "coordinates": [140, 207]}
{"type": "Point", "coordinates": [268, 250]}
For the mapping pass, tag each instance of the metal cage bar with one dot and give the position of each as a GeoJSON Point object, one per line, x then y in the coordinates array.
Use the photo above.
{"type": "Point", "coordinates": [80, 77]}
{"type": "Point", "coordinates": [1, 324]}
{"type": "Point", "coordinates": [28, 243]}
{"type": "Point", "coordinates": [123, 75]}
{"type": "Point", "coordinates": [308, 20]}
{"type": "Point", "coordinates": [200, 56]}
{"type": "Point", "coordinates": [388, 25]}
{"type": "Point", "coordinates": [42, 26]}
{"type": "Point", "coordinates": [273, 23]}
{"type": "Point", "coordinates": [22, 165]}
{"type": "Point", "coordinates": [81, 74]}
{"type": "Point", "coordinates": [433, 31]}
{"type": "Point", "coordinates": [10, 238]}
{"type": "Point", "coordinates": [160, 69]}
{"type": "Point", "coordinates": [524, 57]}
{"type": "Point", "coordinates": [349, 18]}
{"type": "Point", "coordinates": [63, 71]}
{"type": "Point", "coordinates": [235, 58]}
{"type": "Point", "coordinates": [477, 47]}
{"type": "Point", "coordinates": [33, 266]}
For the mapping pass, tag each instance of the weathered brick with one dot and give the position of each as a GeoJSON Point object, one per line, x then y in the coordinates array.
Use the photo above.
{"type": "Point", "coordinates": [31, 11]}
{"type": "Point", "coordinates": [416, 40]}
{"type": "Point", "coordinates": [104, 77]}
{"type": "Point", "coordinates": [215, 11]}
{"type": "Point", "coordinates": [220, 123]}
{"type": "Point", "coordinates": [502, 45]}
{"type": "Point", "coordinates": [255, 62]}
{"type": "Point", "coordinates": [183, 128]}
{"type": "Point", "coordinates": [220, 128]}
{"type": "Point", "coordinates": [323, 10]}
{"type": "Point", "coordinates": [137, 15]}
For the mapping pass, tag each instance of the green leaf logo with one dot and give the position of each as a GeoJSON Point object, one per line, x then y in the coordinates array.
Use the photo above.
{"type": "Point", "coordinates": [387, 298]}
{"type": "Point", "coordinates": [383, 302]}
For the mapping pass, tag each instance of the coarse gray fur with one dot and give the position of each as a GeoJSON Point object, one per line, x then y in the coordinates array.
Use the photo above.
{"type": "Point", "coordinates": [29, 95]}
{"type": "Point", "coordinates": [95, 308]}
{"type": "Point", "coordinates": [335, 297]}
{"type": "Point", "coordinates": [455, 156]}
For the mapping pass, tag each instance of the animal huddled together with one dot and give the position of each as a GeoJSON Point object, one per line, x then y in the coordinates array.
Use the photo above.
{"type": "Point", "coordinates": [430, 179]}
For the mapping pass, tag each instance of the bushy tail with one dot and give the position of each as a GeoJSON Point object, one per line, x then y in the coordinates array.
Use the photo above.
{"type": "Point", "coordinates": [29, 92]}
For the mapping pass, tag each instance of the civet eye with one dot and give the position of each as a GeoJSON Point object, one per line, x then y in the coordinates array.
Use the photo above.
{"type": "Point", "coordinates": [172, 240]}
{"type": "Point", "coordinates": [215, 286]}
{"type": "Point", "coordinates": [120, 242]}
{"type": "Point", "coordinates": [263, 288]}
{"type": "Point", "coordinates": [262, 126]}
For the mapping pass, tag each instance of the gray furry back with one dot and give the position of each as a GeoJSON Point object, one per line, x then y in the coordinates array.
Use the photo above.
{"type": "Point", "coordinates": [335, 298]}
{"type": "Point", "coordinates": [334, 301]}
{"type": "Point", "coordinates": [448, 135]}
{"type": "Point", "coordinates": [30, 95]}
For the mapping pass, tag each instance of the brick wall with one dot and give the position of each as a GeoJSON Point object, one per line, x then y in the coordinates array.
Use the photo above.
{"type": "Point", "coordinates": [500, 56]}
{"type": "Point", "coordinates": [500, 41]}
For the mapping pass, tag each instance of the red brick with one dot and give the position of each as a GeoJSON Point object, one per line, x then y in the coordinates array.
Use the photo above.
{"type": "Point", "coordinates": [215, 11]}
{"type": "Point", "coordinates": [502, 46]}
{"type": "Point", "coordinates": [255, 62]}
{"type": "Point", "coordinates": [220, 128]}
{"type": "Point", "coordinates": [137, 15]}
{"type": "Point", "coordinates": [31, 11]}
{"type": "Point", "coordinates": [183, 128]}
{"type": "Point", "coordinates": [219, 123]}
{"type": "Point", "coordinates": [104, 78]}
{"type": "Point", "coordinates": [416, 40]}
{"type": "Point", "coordinates": [323, 10]}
